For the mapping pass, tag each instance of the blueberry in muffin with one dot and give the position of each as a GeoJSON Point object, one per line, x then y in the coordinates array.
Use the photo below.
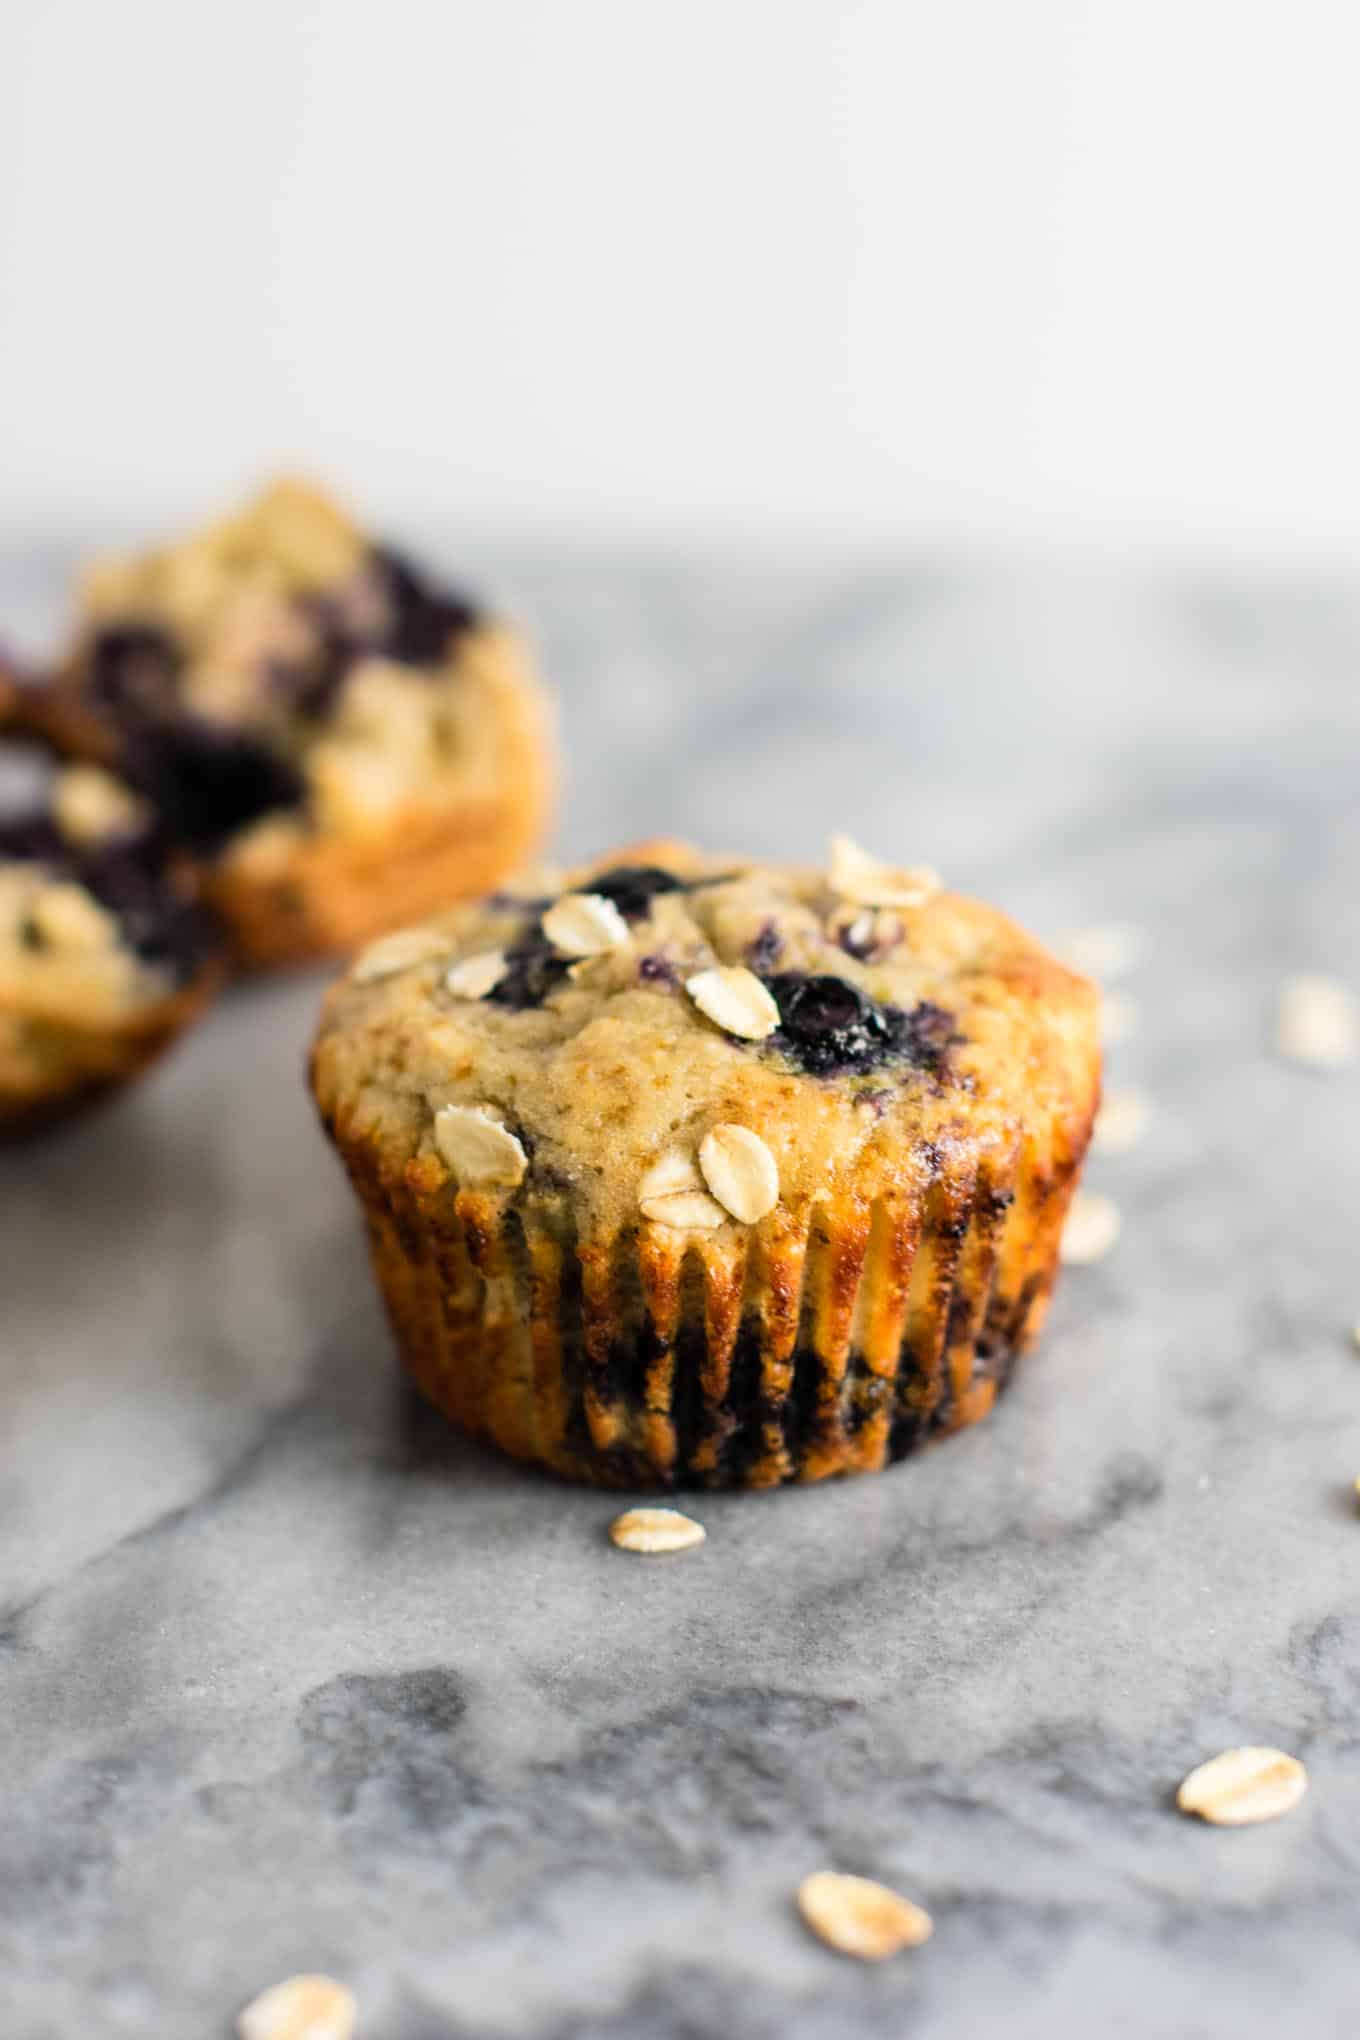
{"type": "Point", "coordinates": [696, 1171]}
{"type": "Point", "coordinates": [339, 741]}
{"type": "Point", "coordinates": [104, 957]}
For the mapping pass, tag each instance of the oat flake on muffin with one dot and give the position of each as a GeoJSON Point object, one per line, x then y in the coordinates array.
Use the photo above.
{"type": "Point", "coordinates": [726, 1254]}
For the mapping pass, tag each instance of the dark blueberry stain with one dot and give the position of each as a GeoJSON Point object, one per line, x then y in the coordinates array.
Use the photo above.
{"type": "Point", "coordinates": [127, 876]}
{"type": "Point", "coordinates": [423, 624]}
{"type": "Point", "coordinates": [633, 887]}
{"type": "Point", "coordinates": [133, 667]}
{"type": "Point", "coordinates": [129, 879]}
{"type": "Point", "coordinates": [829, 1027]}
{"type": "Point", "coordinates": [535, 968]}
{"type": "Point", "coordinates": [207, 780]}
{"type": "Point", "coordinates": [926, 1033]}
{"type": "Point", "coordinates": [311, 687]}
{"type": "Point", "coordinates": [29, 838]}
{"type": "Point", "coordinates": [425, 620]}
{"type": "Point", "coordinates": [658, 970]}
{"type": "Point", "coordinates": [765, 951]}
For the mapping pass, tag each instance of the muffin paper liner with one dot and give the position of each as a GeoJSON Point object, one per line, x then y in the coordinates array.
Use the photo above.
{"type": "Point", "coordinates": [807, 1346]}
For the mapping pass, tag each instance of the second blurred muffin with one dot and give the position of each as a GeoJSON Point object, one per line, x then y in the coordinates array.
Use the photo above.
{"type": "Point", "coordinates": [104, 960]}
{"type": "Point", "coordinates": [341, 744]}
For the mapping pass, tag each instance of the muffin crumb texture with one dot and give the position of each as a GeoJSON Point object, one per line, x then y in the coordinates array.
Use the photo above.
{"type": "Point", "coordinates": [665, 1184]}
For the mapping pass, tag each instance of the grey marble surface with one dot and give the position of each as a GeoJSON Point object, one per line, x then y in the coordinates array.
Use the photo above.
{"type": "Point", "coordinates": [290, 1677]}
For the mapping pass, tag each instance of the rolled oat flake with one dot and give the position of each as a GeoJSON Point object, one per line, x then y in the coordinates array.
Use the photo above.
{"type": "Point", "coordinates": [1244, 1786]}
{"type": "Point", "coordinates": [300, 2008]}
{"type": "Point", "coordinates": [655, 1530]}
{"type": "Point", "coordinates": [856, 1916]}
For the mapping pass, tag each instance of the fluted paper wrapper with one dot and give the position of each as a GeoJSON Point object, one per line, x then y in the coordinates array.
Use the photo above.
{"type": "Point", "coordinates": [831, 1343]}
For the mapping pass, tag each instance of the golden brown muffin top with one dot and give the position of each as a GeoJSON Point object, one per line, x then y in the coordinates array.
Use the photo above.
{"type": "Point", "coordinates": [670, 1038]}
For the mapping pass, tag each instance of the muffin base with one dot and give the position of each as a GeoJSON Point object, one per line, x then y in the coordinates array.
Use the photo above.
{"type": "Point", "coordinates": [328, 895]}
{"type": "Point", "coordinates": [83, 1064]}
{"type": "Point", "coordinates": [662, 1359]}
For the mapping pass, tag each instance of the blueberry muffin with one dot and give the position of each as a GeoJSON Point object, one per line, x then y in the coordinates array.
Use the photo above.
{"type": "Point", "coordinates": [104, 959]}
{"type": "Point", "coordinates": [694, 1171]}
{"type": "Point", "coordinates": [341, 744]}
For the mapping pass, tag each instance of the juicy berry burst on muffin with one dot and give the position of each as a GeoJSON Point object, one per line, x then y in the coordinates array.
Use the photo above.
{"type": "Point", "coordinates": [734, 1199]}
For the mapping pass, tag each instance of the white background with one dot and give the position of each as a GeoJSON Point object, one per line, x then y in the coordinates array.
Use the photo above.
{"type": "Point", "coordinates": [1028, 271]}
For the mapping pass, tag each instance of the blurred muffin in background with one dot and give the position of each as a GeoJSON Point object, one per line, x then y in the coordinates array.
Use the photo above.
{"type": "Point", "coordinates": [340, 744]}
{"type": "Point", "coordinates": [104, 960]}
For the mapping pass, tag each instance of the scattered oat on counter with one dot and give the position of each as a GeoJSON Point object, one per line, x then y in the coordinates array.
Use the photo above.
{"type": "Point", "coordinates": [1318, 1023]}
{"type": "Point", "coordinates": [1243, 1786]}
{"type": "Point", "coordinates": [652, 1530]}
{"type": "Point", "coordinates": [1120, 1123]}
{"type": "Point", "coordinates": [1092, 1227]}
{"type": "Point", "coordinates": [1118, 1018]}
{"type": "Point", "coordinates": [1104, 952]}
{"type": "Point", "coordinates": [302, 2008]}
{"type": "Point", "coordinates": [858, 1917]}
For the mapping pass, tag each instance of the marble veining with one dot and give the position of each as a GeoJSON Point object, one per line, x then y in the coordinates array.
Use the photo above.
{"type": "Point", "coordinates": [292, 1677]}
